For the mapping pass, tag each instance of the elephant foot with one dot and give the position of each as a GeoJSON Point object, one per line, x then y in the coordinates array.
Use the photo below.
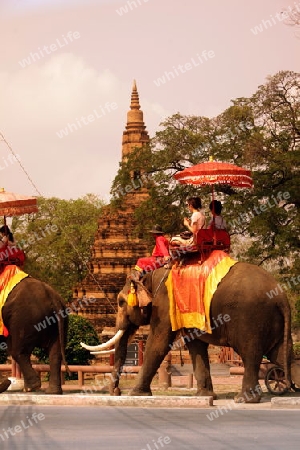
{"type": "Point", "coordinates": [32, 387]}
{"type": "Point", "coordinates": [117, 392]}
{"type": "Point", "coordinates": [114, 390]}
{"type": "Point", "coordinates": [54, 390]}
{"type": "Point", "coordinates": [247, 397]}
{"type": "Point", "coordinates": [206, 393]}
{"type": "Point", "coordinates": [5, 385]}
{"type": "Point", "coordinates": [140, 392]}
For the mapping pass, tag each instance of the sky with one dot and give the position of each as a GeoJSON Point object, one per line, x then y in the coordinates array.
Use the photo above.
{"type": "Point", "coordinates": [67, 69]}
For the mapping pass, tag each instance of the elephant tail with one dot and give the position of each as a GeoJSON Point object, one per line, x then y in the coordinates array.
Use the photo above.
{"type": "Point", "coordinates": [62, 323]}
{"type": "Point", "coordinates": [62, 332]}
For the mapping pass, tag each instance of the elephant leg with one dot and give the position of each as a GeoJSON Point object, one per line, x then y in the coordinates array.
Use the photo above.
{"type": "Point", "coordinates": [4, 382]}
{"type": "Point", "coordinates": [251, 389]}
{"type": "Point", "coordinates": [157, 347]}
{"type": "Point", "coordinates": [55, 360]}
{"type": "Point", "coordinates": [200, 360]}
{"type": "Point", "coordinates": [32, 381]}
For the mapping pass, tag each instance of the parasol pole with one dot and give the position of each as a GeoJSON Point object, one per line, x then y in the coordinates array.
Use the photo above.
{"type": "Point", "coordinates": [213, 213]}
{"type": "Point", "coordinates": [211, 158]}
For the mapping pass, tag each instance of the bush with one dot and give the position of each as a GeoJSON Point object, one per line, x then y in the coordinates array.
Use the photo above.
{"type": "Point", "coordinates": [80, 330]}
{"type": "Point", "coordinates": [296, 315]}
{"type": "Point", "coordinates": [296, 348]}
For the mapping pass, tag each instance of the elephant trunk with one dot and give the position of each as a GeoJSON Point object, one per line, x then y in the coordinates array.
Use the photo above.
{"type": "Point", "coordinates": [120, 357]}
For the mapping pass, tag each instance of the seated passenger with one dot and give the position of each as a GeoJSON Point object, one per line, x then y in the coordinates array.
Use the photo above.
{"type": "Point", "coordinates": [217, 222]}
{"type": "Point", "coordinates": [160, 254]}
{"type": "Point", "coordinates": [197, 220]}
{"type": "Point", "coordinates": [7, 238]}
{"type": "Point", "coordinates": [194, 224]}
{"type": "Point", "coordinates": [9, 250]}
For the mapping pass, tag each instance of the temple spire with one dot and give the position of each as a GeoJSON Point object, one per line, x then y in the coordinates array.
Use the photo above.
{"type": "Point", "coordinates": [135, 102]}
{"type": "Point", "coordinates": [135, 134]}
{"type": "Point", "coordinates": [135, 119]}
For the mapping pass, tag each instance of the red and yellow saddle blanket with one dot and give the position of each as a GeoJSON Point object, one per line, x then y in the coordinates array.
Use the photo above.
{"type": "Point", "coordinates": [9, 278]}
{"type": "Point", "coordinates": [191, 288]}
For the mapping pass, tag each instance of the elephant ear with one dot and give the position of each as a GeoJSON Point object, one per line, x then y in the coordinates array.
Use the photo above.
{"type": "Point", "coordinates": [143, 295]}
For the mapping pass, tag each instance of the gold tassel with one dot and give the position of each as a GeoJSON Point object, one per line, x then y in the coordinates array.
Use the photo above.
{"type": "Point", "coordinates": [132, 297]}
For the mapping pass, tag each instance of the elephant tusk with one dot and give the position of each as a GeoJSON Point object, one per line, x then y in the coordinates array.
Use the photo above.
{"type": "Point", "coordinates": [104, 352]}
{"type": "Point", "coordinates": [112, 341]}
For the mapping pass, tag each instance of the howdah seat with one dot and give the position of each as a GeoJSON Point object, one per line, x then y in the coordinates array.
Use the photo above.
{"type": "Point", "coordinates": [205, 241]}
{"type": "Point", "coordinates": [209, 240]}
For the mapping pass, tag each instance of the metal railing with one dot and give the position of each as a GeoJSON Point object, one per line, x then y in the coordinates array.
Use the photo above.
{"type": "Point", "coordinates": [81, 370]}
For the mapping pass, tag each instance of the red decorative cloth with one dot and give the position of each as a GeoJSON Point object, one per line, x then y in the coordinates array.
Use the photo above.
{"type": "Point", "coordinates": [191, 288]}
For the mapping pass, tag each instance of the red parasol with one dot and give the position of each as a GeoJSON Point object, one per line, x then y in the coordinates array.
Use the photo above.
{"type": "Point", "coordinates": [214, 172]}
{"type": "Point", "coordinates": [12, 204]}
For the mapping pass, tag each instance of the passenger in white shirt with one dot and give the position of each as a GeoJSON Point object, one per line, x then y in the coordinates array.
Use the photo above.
{"type": "Point", "coordinates": [195, 223]}
{"type": "Point", "coordinates": [197, 220]}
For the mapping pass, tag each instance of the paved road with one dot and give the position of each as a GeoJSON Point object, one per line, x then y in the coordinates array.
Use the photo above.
{"type": "Point", "coordinates": [89, 428]}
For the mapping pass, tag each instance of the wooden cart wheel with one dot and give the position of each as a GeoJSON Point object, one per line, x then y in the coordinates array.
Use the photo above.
{"type": "Point", "coordinates": [275, 381]}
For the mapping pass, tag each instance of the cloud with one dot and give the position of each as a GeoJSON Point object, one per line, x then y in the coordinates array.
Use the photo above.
{"type": "Point", "coordinates": [159, 110]}
{"type": "Point", "coordinates": [59, 92]}
{"type": "Point", "coordinates": [42, 99]}
{"type": "Point", "coordinates": [61, 87]}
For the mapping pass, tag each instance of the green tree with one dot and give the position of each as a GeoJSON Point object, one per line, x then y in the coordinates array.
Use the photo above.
{"type": "Point", "coordinates": [262, 133]}
{"type": "Point", "coordinates": [275, 230]}
{"type": "Point", "coordinates": [57, 240]}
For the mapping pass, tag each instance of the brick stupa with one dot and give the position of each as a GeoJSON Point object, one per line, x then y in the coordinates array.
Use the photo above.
{"type": "Point", "coordinates": [116, 248]}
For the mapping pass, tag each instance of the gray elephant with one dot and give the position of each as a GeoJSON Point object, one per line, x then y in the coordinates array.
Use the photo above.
{"type": "Point", "coordinates": [34, 315]}
{"type": "Point", "coordinates": [253, 324]}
